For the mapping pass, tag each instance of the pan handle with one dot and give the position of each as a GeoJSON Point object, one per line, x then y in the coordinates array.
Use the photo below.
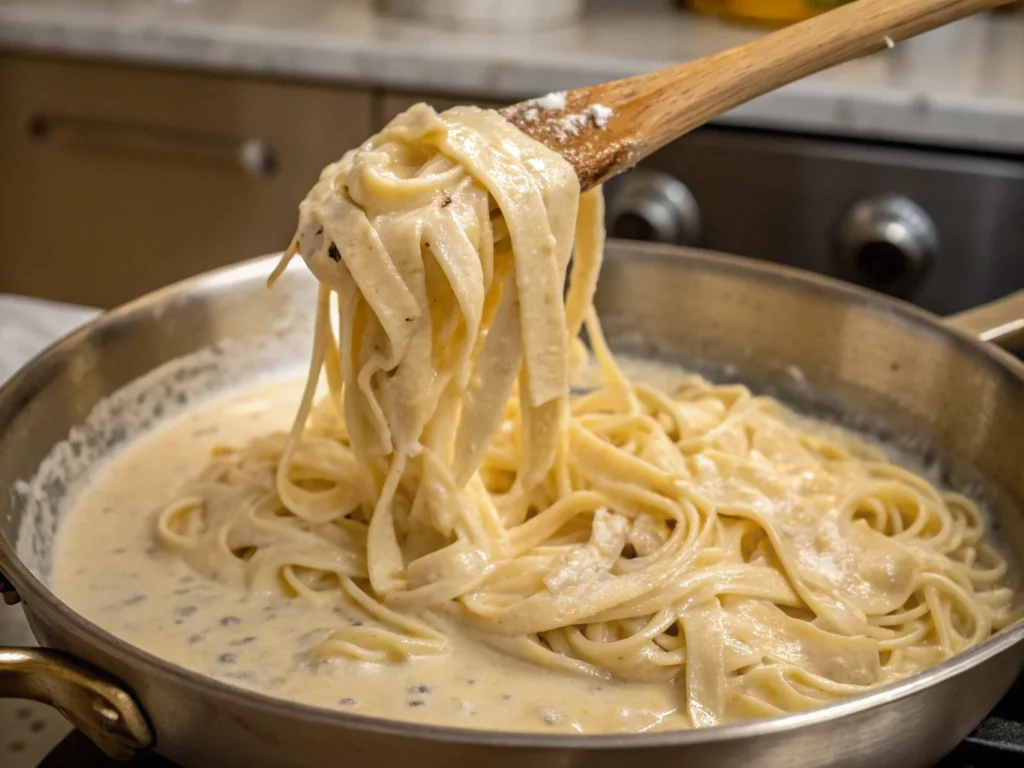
{"type": "Point", "coordinates": [94, 704]}
{"type": "Point", "coordinates": [999, 322]}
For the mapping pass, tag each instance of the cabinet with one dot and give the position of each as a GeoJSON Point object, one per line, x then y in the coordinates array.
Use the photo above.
{"type": "Point", "coordinates": [116, 180]}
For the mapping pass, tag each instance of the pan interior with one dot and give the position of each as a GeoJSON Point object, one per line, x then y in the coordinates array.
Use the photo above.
{"type": "Point", "coordinates": [876, 369]}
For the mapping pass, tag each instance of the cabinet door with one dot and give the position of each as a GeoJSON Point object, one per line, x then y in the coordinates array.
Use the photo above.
{"type": "Point", "coordinates": [116, 180]}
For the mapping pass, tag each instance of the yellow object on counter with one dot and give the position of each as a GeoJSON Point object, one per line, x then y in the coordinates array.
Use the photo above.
{"type": "Point", "coordinates": [772, 12]}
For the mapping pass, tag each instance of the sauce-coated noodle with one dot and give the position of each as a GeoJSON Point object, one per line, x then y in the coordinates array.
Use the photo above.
{"type": "Point", "coordinates": [703, 535]}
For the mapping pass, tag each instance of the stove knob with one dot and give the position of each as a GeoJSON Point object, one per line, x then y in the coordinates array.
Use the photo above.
{"type": "Point", "coordinates": [655, 206]}
{"type": "Point", "coordinates": [887, 243]}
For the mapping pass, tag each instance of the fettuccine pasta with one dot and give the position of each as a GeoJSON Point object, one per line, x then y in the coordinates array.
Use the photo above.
{"type": "Point", "coordinates": [703, 536]}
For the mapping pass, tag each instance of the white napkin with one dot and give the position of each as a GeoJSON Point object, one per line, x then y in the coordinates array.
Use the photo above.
{"type": "Point", "coordinates": [27, 326]}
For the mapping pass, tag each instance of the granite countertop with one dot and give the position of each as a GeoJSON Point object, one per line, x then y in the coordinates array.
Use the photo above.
{"type": "Point", "coordinates": [961, 86]}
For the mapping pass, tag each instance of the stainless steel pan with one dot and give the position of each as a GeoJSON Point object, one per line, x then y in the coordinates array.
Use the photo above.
{"type": "Point", "coordinates": [856, 354]}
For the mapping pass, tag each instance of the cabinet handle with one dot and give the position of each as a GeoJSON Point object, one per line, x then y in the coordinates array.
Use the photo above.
{"type": "Point", "coordinates": [252, 156]}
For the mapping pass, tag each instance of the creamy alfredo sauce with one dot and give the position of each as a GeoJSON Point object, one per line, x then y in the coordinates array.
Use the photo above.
{"type": "Point", "coordinates": [109, 567]}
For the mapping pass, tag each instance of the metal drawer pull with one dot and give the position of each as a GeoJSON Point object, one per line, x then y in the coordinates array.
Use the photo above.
{"type": "Point", "coordinates": [253, 156]}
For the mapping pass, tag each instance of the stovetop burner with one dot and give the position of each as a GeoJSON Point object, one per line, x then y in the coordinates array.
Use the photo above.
{"type": "Point", "coordinates": [999, 740]}
{"type": "Point", "coordinates": [997, 743]}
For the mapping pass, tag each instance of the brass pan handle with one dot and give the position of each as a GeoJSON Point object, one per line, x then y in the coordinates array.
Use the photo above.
{"type": "Point", "coordinates": [999, 322]}
{"type": "Point", "coordinates": [94, 703]}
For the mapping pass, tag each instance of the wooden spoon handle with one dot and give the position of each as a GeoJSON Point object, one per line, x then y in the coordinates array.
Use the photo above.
{"type": "Point", "coordinates": [656, 108]}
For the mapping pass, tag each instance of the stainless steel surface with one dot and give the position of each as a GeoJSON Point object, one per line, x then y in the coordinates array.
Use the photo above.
{"type": "Point", "coordinates": [654, 206]}
{"type": "Point", "coordinates": [486, 15]}
{"type": "Point", "coordinates": [859, 354]}
{"type": "Point", "coordinates": [784, 198]}
{"type": "Point", "coordinates": [98, 707]}
{"type": "Point", "coordinates": [887, 243]}
{"type": "Point", "coordinates": [117, 180]}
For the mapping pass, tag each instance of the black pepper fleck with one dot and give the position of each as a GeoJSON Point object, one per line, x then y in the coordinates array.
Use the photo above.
{"type": "Point", "coordinates": [334, 253]}
{"type": "Point", "coordinates": [186, 610]}
{"type": "Point", "coordinates": [416, 703]}
{"type": "Point", "coordinates": [230, 621]}
{"type": "Point", "coordinates": [37, 726]}
{"type": "Point", "coordinates": [134, 599]}
{"type": "Point", "coordinates": [419, 689]}
{"type": "Point", "coordinates": [226, 658]}
{"type": "Point", "coordinates": [16, 746]}
{"type": "Point", "coordinates": [195, 639]}
{"type": "Point", "coordinates": [348, 701]}
{"type": "Point", "coordinates": [245, 640]}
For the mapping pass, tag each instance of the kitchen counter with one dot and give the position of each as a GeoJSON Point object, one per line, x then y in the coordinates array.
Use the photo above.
{"type": "Point", "coordinates": [27, 326]}
{"type": "Point", "coordinates": [960, 86]}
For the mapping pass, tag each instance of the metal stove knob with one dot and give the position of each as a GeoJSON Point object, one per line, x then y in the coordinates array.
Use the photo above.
{"type": "Point", "coordinates": [887, 243]}
{"type": "Point", "coordinates": [654, 206]}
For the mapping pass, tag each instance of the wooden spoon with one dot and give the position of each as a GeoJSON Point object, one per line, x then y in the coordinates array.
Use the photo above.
{"type": "Point", "coordinates": [604, 129]}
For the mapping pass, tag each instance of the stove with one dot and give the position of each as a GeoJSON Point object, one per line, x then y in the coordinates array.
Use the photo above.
{"type": "Point", "coordinates": [997, 743]}
{"type": "Point", "coordinates": [939, 227]}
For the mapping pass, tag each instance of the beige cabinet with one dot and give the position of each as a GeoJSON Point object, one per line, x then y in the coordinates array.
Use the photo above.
{"type": "Point", "coordinates": [115, 180]}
